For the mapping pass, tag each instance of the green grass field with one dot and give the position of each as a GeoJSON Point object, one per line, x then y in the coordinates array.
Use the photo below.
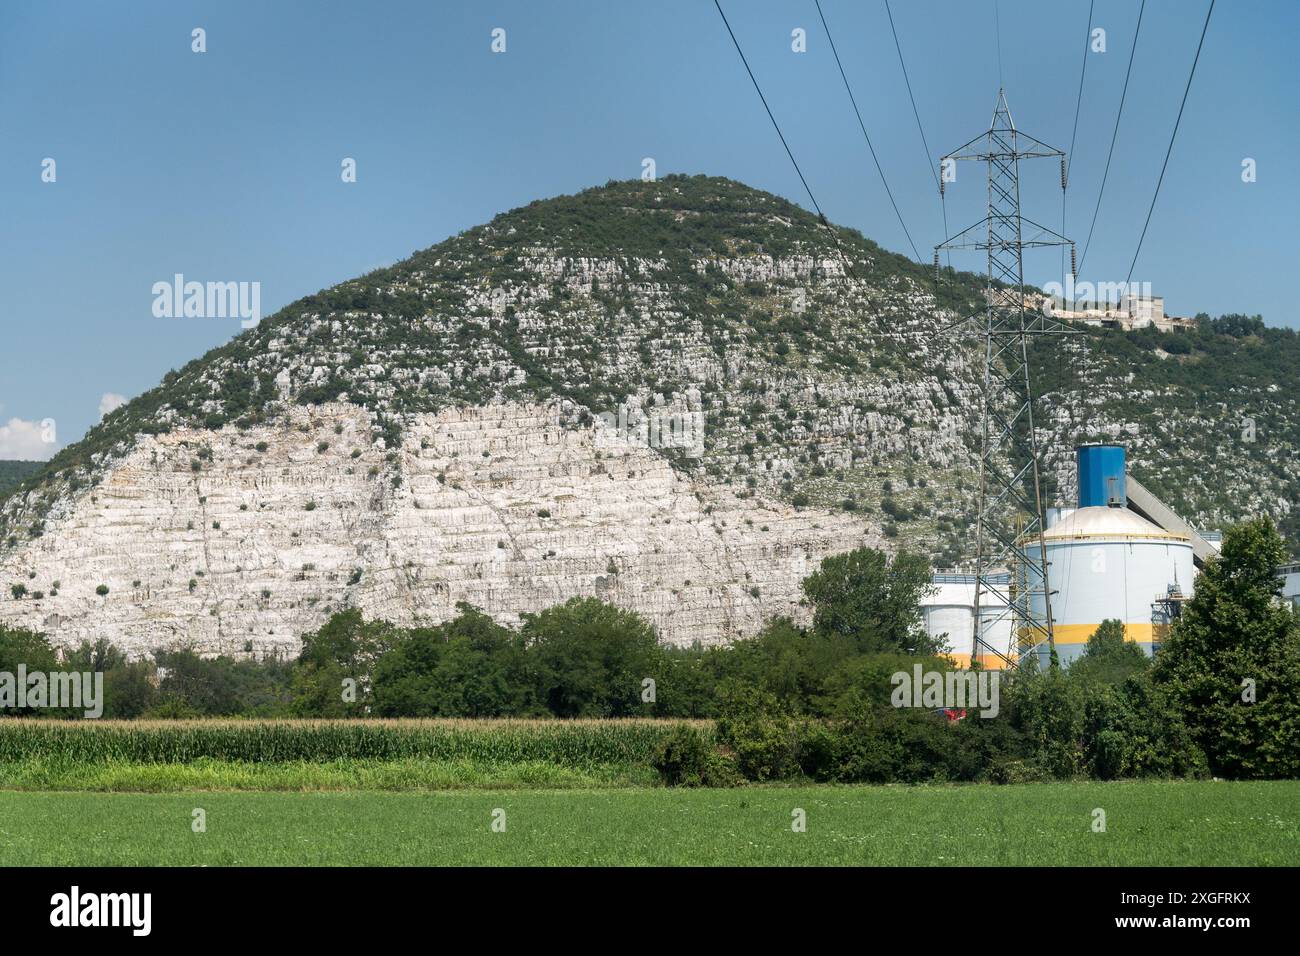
{"type": "Point", "coordinates": [1246, 824]}
{"type": "Point", "coordinates": [573, 792]}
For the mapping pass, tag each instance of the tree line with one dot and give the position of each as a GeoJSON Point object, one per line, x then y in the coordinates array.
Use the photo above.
{"type": "Point", "coordinates": [1222, 695]}
{"type": "Point", "coordinates": [583, 658]}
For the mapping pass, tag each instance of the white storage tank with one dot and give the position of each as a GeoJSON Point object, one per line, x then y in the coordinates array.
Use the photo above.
{"type": "Point", "coordinates": [1110, 563]}
{"type": "Point", "coordinates": [949, 612]}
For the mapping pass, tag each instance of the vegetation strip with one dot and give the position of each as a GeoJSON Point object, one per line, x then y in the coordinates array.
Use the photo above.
{"type": "Point", "coordinates": [1148, 824]}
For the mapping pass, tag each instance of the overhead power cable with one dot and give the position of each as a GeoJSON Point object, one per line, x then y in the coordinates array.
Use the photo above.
{"type": "Point", "coordinates": [777, 126]}
{"type": "Point", "coordinates": [1165, 165]}
{"type": "Point", "coordinates": [862, 126]}
{"type": "Point", "coordinates": [997, 19]}
{"type": "Point", "coordinates": [1073, 389]}
{"type": "Point", "coordinates": [929, 160]}
{"type": "Point", "coordinates": [794, 162]}
{"type": "Point", "coordinates": [1078, 102]}
{"type": "Point", "coordinates": [1114, 135]}
{"type": "Point", "coordinates": [883, 178]}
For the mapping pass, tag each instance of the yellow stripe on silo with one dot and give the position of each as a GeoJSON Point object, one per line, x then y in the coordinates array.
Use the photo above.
{"type": "Point", "coordinates": [989, 662]}
{"type": "Point", "coordinates": [1079, 633]}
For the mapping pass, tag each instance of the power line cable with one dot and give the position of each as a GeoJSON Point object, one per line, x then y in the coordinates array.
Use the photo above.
{"type": "Point", "coordinates": [929, 162]}
{"type": "Point", "coordinates": [1083, 71]}
{"type": "Point", "coordinates": [777, 126]}
{"type": "Point", "coordinates": [1077, 363]}
{"type": "Point", "coordinates": [1078, 102]}
{"type": "Point", "coordinates": [1170, 150]}
{"type": "Point", "coordinates": [862, 126]}
{"type": "Point", "coordinates": [1128, 385]}
{"type": "Point", "coordinates": [790, 153]}
{"type": "Point", "coordinates": [997, 17]}
{"type": "Point", "coordinates": [884, 180]}
{"type": "Point", "coordinates": [1114, 135]}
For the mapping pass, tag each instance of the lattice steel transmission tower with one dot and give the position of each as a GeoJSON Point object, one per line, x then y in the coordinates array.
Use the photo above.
{"type": "Point", "coordinates": [1010, 520]}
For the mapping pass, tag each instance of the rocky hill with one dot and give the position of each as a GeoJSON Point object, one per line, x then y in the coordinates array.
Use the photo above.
{"type": "Point", "coordinates": [675, 395]}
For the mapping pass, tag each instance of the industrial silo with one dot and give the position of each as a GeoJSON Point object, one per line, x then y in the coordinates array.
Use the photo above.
{"type": "Point", "coordinates": [1106, 562]}
{"type": "Point", "coordinates": [948, 611]}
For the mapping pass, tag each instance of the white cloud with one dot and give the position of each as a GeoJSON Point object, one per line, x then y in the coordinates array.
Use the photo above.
{"type": "Point", "coordinates": [110, 401]}
{"type": "Point", "coordinates": [32, 441]}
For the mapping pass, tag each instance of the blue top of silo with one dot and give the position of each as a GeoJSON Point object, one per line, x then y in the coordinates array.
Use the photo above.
{"type": "Point", "coordinates": [1101, 475]}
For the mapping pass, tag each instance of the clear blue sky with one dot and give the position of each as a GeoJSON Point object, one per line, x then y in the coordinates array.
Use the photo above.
{"type": "Point", "coordinates": [226, 165]}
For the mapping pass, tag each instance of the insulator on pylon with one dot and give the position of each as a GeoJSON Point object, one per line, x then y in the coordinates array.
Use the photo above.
{"type": "Point", "coordinates": [940, 178]}
{"type": "Point", "coordinates": [1074, 269]}
{"type": "Point", "coordinates": [936, 261]}
{"type": "Point", "coordinates": [1062, 173]}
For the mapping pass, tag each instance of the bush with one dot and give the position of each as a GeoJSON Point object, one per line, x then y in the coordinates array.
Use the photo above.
{"type": "Point", "coordinates": [871, 743]}
{"type": "Point", "coordinates": [761, 735]}
{"type": "Point", "coordinates": [1000, 751]}
{"type": "Point", "coordinates": [885, 744]}
{"type": "Point", "coordinates": [1048, 709]}
{"type": "Point", "coordinates": [688, 758]}
{"type": "Point", "coordinates": [1135, 731]}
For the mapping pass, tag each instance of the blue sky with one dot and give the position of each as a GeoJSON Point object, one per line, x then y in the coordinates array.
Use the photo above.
{"type": "Point", "coordinates": [225, 165]}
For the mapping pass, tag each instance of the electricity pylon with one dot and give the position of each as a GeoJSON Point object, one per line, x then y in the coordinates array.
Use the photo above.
{"type": "Point", "coordinates": [1010, 520]}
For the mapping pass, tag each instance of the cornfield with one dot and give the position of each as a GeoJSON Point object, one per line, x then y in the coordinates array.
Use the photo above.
{"type": "Point", "coordinates": [569, 743]}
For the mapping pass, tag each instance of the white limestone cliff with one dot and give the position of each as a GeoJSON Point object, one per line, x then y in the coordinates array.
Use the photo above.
{"type": "Point", "coordinates": [204, 540]}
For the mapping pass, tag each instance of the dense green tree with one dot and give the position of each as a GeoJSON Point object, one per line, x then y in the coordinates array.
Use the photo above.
{"type": "Point", "coordinates": [871, 601]}
{"type": "Point", "coordinates": [786, 662]}
{"type": "Point", "coordinates": [221, 686]}
{"type": "Point", "coordinates": [868, 678]}
{"type": "Point", "coordinates": [131, 690]}
{"type": "Point", "coordinates": [18, 646]}
{"type": "Point", "coordinates": [591, 659]}
{"type": "Point", "coordinates": [332, 678]}
{"type": "Point", "coordinates": [689, 681]}
{"type": "Point", "coordinates": [130, 687]}
{"type": "Point", "coordinates": [1108, 658]}
{"type": "Point", "coordinates": [469, 666]}
{"type": "Point", "coordinates": [1231, 667]}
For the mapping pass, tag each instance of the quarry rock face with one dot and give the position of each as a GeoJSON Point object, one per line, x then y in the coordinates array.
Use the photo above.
{"type": "Point", "coordinates": [239, 542]}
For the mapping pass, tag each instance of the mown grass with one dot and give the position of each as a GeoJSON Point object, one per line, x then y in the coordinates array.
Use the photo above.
{"type": "Point", "coordinates": [1166, 824]}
